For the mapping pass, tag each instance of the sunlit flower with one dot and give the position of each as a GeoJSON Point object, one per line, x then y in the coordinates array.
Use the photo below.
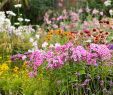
{"type": "Point", "coordinates": [4, 67]}
{"type": "Point", "coordinates": [7, 23]}
{"type": "Point", "coordinates": [55, 26]}
{"type": "Point", "coordinates": [15, 70]}
{"type": "Point", "coordinates": [27, 20]}
{"type": "Point", "coordinates": [31, 40]}
{"type": "Point", "coordinates": [51, 46]}
{"type": "Point", "coordinates": [88, 41]}
{"type": "Point", "coordinates": [18, 6]}
{"type": "Point", "coordinates": [45, 44]}
{"type": "Point", "coordinates": [24, 57]}
{"type": "Point", "coordinates": [80, 10]}
{"type": "Point", "coordinates": [107, 3]}
{"type": "Point", "coordinates": [111, 12]}
{"type": "Point", "coordinates": [37, 36]}
{"type": "Point", "coordinates": [87, 9]}
{"type": "Point", "coordinates": [57, 44]}
{"type": "Point", "coordinates": [35, 43]}
{"type": "Point", "coordinates": [16, 23]}
{"type": "Point", "coordinates": [101, 13]}
{"type": "Point", "coordinates": [95, 11]}
{"type": "Point", "coordinates": [20, 19]}
{"type": "Point", "coordinates": [11, 13]}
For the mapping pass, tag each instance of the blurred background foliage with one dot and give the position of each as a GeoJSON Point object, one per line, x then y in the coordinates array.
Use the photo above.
{"type": "Point", "coordinates": [35, 9]}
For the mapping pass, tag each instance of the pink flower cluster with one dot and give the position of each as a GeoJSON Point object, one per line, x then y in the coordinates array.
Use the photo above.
{"type": "Point", "coordinates": [92, 55]}
{"type": "Point", "coordinates": [57, 56]}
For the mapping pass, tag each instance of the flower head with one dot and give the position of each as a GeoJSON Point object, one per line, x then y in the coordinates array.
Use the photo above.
{"type": "Point", "coordinates": [18, 6]}
{"type": "Point", "coordinates": [107, 3]}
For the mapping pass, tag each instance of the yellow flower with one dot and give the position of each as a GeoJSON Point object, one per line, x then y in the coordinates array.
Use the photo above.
{"type": "Point", "coordinates": [1, 72]}
{"type": "Point", "coordinates": [4, 67]}
{"type": "Point", "coordinates": [15, 69]}
{"type": "Point", "coordinates": [24, 64]}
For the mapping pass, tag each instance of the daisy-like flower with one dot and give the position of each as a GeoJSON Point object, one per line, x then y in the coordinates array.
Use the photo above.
{"type": "Point", "coordinates": [11, 13]}
{"type": "Point", "coordinates": [20, 19]}
{"type": "Point", "coordinates": [31, 40]}
{"type": "Point", "coordinates": [95, 11]}
{"type": "Point", "coordinates": [107, 3]}
{"type": "Point", "coordinates": [37, 36]}
{"type": "Point", "coordinates": [45, 44]}
{"type": "Point", "coordinates": [16, 23]}
{"type": "Point", "coordinates": [27, 20]}
{"type": "Point", "coordinates": [87, 9]}
{"type": "Point", "coordinates": [101, 13]}
{"type": "Point", "coordinates": [111, 12]}
{"type": "Point", "coordinates": [18, 6]}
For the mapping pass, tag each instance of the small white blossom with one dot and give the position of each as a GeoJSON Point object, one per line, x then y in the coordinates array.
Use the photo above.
{"type": "Point", "coordinates": [95, 11]}
{"type": "Point", "coordinates": [7, 23]}
{"type": "Point", "coordinates": [2, 18]}
{"type": "Point", "coordinates": [27, 20]}
{"type": "Point", "coordinates": [37, 36]}
{"type": "Point", "coordinates": [18, 33]}
{"type": "Point", "coordinates": [10, 13]}
{"type": "Point", "coordinates": [31, 50]}
{"type": "Point", "coordinates": [16, 23]}
{"type": "Point", "coordinates": [45, 44]}
{"type": "Point", "coordinates": [101, 13]}
{"type": "Point", "coordinates": [88, 41]}
{"type": "Point", "coordinates": [18, 6]}
{"type": "Point", "coordinates": [80, 10]}
{"type": "Point", "coordinates": [111, 12]}
{"type": "Point", "coordinates": [51, 46]}
{"type": "Point", "coordinates": [24, 57]}
{"type": "Point", "coordinates": [35, 43]}
{"type": "Point", "coordinates": [87, 9]}
{"type": "Point", "coordinates": [107, 3]}
{"type": "Point", "coordinates": [20, 19]}
{"type": "Point", "coordinates": [57, 44]}
{"type": "Point", "coordinates": [31, 40]}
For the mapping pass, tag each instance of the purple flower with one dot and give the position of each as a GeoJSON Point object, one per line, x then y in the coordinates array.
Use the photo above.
{"type": "Point", "coordinates": [110, 46]}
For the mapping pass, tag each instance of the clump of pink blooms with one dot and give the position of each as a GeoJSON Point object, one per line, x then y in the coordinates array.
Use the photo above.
{"type": "Point", "coordinates": [57, 56]}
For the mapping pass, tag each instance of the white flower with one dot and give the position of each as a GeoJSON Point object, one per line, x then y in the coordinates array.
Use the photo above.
{"type": "Point", "coordinates": [7, 23]}
{"type": "Point", "coordinates": [35, 43]}
{"type": "Point", "coordinates": [31, 40]}
{"type": "Point", "coordinates": [101, 13]}
{"type": "Point", "coordinates": [20, 19]}
{"type": "Point", "coordinates": [111, 12]}
{"type": "Point", "coordinates": [18, 33]}
{"type": "Point", "coordinates": [95, 11]}
{"type": "Point", "coordinates": [27, 20]}
{"type": "Point", "coordinates": [10, 13]}
{"type": "Point", "coordinates": [2, 15]}
{"type": "Point", "coordinates": [2, 18]}
{"type": "Point", "coordinates": [16, 23]}
{"type": "Point", "coordinates": [11, 28]}
{"type": "Point", "coordinates": [55, 26]}
{"type": "Point", "coordinates": [18, 6]}
{"type": "Point", "coordinates": [88, 41]}
{"type": "Point", "coordinates": [45, 44]}
{"type": "Point", "coordinates": [37, 36]}
{"type": "Point", "coordinates": [37, 26]}
{"type": "Point", "coordinates": [87, 9]}
{"type": "Point", "coordinates": [107, 3]}
{"type": "Point", "coordinates": [31, 50]}
{"type": "Point", "coordinates": [57, 44]}
{"type": "Point", "coordinates": [51, 46]}
{"type": "Point", "coordinates": [24, 57]}
{"type": "Point", "coordinates": [80, 10]}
